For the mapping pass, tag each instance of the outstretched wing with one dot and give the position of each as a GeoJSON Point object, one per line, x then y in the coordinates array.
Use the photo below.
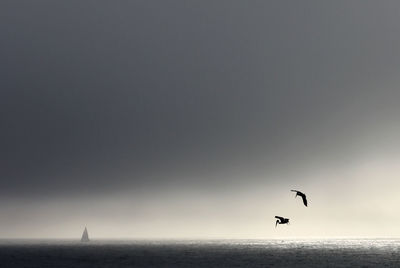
{"type": "Point", "coordinates": [280, 218]}
{"type": "Point", "coordinates": [304, 199]}
{"type": "Point", "coordinates": [294, 191]}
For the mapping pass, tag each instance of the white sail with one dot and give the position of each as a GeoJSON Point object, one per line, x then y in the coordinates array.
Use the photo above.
{"type": "Point", "coordinates": [85, 236]}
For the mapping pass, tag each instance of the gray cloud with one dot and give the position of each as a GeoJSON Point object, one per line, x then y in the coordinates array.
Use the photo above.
{"type": "Point", "coordinates": [103, 96]}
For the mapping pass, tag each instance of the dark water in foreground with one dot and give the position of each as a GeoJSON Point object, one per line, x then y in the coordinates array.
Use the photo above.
{"type": "Point", "coordinates": [215, 253]}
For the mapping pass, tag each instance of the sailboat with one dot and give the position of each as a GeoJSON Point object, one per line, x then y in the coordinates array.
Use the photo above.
{"type": "Point", "coordinates": [85, 236]}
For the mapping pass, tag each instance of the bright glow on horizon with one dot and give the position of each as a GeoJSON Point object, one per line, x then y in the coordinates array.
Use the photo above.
{"type": "Point", "coordinates": [355, 202]}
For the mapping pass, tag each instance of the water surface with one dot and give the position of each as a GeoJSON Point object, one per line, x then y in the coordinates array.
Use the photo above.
{"type": "Point", "coordinates": [206, 253]}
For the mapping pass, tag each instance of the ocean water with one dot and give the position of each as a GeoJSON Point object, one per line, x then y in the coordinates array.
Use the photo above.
{"type": "Point", "coordinates": [193, 253]}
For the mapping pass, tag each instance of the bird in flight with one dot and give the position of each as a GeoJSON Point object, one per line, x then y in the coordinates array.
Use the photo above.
{"type": "Point", "coordinates": [302, 196]}
{"type": "Point", "coordinates": [281, 220]}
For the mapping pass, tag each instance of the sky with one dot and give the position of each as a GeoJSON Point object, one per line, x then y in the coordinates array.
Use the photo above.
{"type": "Point", "coordinates": [195, 119]}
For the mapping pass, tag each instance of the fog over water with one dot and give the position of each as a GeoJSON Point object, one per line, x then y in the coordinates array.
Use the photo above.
{"type": "Point", "coordinates": [175, 119]}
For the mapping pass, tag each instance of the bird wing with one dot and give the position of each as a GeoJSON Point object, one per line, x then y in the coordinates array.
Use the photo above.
{"type": "Point", "coordinates": [294, 191]}
{"type": "Point", "coordinates": [280, 218]}
{"type": "Point", "coordinates": [304, 199]}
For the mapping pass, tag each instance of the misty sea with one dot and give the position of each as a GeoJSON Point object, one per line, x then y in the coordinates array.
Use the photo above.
{"type": "Point", "coordinates": [204, 253]}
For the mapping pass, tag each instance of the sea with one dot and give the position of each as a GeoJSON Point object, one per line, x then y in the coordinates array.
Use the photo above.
{"type": "Point", "coordinates": [201, 253]}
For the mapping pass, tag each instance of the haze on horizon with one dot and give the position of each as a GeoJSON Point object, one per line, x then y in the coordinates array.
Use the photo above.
{"type": "Point", "coordinates": [176, 119]}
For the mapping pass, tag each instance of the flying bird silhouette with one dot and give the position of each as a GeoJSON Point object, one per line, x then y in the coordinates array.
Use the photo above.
{"type": "Point", "coordinates": [302, 196]}
{"type": "Point", "coordinates": [281, 220]}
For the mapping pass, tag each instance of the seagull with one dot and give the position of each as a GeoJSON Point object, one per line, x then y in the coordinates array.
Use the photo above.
{"type": "Point", "coordinates": [281, 220]}
{"type": "Point", "coordinates": [302, 196]}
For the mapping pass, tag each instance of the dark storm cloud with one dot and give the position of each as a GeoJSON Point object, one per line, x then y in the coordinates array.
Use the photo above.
{"type": "Point", "coordinates": [108, 94]}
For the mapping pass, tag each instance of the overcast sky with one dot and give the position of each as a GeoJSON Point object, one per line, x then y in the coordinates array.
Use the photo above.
{"type": "Point", "coordinates": [147, 119]}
